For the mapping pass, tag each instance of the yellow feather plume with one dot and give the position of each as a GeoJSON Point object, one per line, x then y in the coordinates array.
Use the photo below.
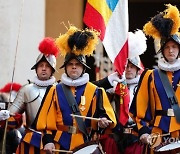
{"type": "Point", "coordinates": [150, 30]}
{"type": "Point", "coordinates": [62, 42]}
{"type": "Point", "coordinates": [173, 13]}
{"type": "Point", "coordinates": [91, 45]}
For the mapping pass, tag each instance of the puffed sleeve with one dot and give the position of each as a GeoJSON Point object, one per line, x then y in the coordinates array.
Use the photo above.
{"type": "Point", "coordinates": [105, 108]}
{"type": "Point", "coordinates": [46, 118]}
{"type": "Point", "coordinates": [142, 107]}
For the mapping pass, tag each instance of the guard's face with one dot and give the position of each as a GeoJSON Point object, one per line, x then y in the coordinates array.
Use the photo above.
{"type": "Point", "coordinates": [44, 70]}
{"type": "Point", "coordinates": [171, 50]}
{"type": "Point", "coordinates": [131, 71]}
{"type": "Point", "coordinates": [74, 69]}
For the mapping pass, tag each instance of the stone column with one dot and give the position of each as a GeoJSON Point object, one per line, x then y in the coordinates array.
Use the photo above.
{"type": "Point", "coordinates": [22, 27]}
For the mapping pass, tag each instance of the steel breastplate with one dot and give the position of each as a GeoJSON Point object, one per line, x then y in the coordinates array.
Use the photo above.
{"type": "Point", "coordinates": [28, 100]}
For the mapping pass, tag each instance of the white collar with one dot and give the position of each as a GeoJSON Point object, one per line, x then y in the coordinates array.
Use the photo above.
{"type": "Point", "coordinates": [78, 82]}
{"type": "Point", "coordinates": [45, 83]}
{"type": "Point", "coordinates": [164, 65]}
{"type": "Point", "coordinates": [133, 81]}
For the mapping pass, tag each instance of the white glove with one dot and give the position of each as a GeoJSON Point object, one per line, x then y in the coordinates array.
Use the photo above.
{"type": "Point", "coordinates": [4, 114]}
{"type": "Point", "coordinates": [114, 77]}
{"type": "Point", "coordinates": [145, 138]}
{"type": "Point", "coordinates": [49, 148]}
{"type": "Point", "coordinates": [103, 122]}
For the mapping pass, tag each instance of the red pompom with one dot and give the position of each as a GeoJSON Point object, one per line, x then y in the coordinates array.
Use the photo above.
{"type": "Point", "coordinates": [10, 86]}
{"type": "Point", "coordinates": [48, 47]}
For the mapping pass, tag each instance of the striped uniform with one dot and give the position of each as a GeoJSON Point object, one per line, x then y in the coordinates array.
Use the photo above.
{"type": "Point", "coordinates": [150, 98]}
{"type": "Point", "coordinates": [55, 113]}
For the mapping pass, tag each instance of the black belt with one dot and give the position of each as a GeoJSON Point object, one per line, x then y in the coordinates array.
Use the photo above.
{"type": "Point", "coordinates": [168, 112]}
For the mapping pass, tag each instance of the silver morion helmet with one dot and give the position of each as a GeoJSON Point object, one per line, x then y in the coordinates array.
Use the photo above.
{"type": "Point", "coordinates": [136, 61]}
{"type": "Point", "coordinates": [48, 53]}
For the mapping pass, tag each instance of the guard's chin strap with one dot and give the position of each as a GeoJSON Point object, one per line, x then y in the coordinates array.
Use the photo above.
{"type": "Point", "coordinates": [84, 69]}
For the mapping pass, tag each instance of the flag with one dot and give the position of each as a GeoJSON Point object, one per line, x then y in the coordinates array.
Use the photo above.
{"type": "Point", "coordinates": [110, 18]}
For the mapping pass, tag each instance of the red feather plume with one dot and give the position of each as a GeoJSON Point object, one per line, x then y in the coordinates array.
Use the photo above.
{"type": "Point", "coordinates": [48, 47]}
{"type": "Point", "coordinates": [7, 87]}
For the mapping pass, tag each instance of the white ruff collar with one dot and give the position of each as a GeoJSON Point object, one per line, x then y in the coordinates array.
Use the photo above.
{"type": "Point", "coordinates": [78, 82]}
{"type": "Point", "coordinates": [164, 65]}
{"type": "Point", "coordinates": [45, 83]}
{"type": "Point", "coordinates": [133, 81]}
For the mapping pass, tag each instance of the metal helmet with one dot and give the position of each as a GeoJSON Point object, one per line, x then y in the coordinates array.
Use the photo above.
{"type": "Point", "coordinates": [136, 61]}
{"type": "Point", "coordinates": [80, 58]}
{"type": "Point", "coordinates": [163, 41]}
{"type": "Point", "coordinates": [51, 59]}
{"type": "Point", "coordinates": [49, 51]}
{"type": "Point", "coordinates": [9, 92]}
